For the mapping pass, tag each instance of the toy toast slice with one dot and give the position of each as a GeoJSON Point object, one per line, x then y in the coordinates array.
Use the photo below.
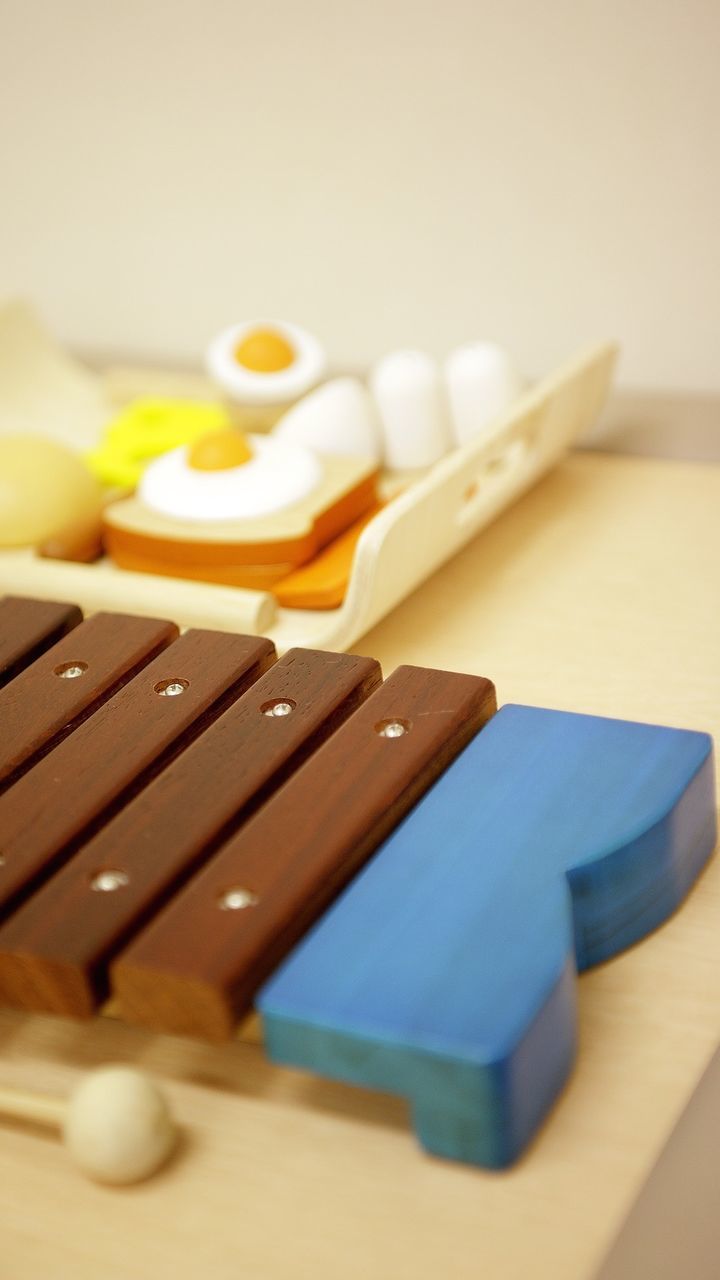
{"type": "Point", "coordinates": [256, 551]}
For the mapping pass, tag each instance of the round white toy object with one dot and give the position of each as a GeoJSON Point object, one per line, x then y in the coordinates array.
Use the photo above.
{"type": "Point", "coordinates": [337, 418]}
{"type": "Point", "coordinates": [259, 362]}
{"type": "Point", "coordinates": [414, 414]}
{"type": "Point", "coordinates": [277, 475]}
{"type": "Point", "coordinates": [481, 383]}
{"type": "Point", "coordinates": [118, 1127]}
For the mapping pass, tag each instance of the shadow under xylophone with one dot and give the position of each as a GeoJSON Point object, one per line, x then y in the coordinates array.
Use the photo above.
{"type": "Point", "coordinates": [178, 813]}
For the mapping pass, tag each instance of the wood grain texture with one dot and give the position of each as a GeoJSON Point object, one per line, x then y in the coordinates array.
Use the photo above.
{"type": "Point", "coordinates": [41, 705]}
{"type": "Point", "coordinates": [124, 744]}
{"type": "Point", "coordinates": [195, 969]}
{"type": "Point", "coordinates": [554, 841]}
{"type": "Point", "coordinates": [54, 949]}
{"type": "Point", "coordinates": [27, 628]}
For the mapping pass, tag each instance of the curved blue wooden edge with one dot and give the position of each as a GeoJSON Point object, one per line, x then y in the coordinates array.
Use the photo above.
{"type": "Point", "coordinates": [446, 970]}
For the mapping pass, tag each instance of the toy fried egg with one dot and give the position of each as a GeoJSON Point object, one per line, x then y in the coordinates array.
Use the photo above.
{"type": "Point", "coordinates": [265, 365]}
{"type": "Point", "coordinates": [228, 476]}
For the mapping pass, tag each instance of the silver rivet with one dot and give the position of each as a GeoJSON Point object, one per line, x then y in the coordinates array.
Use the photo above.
{"type": "Point", "coordinates": [71, 670]}
{"type": "Point", "coordinates": [171, 688]}
{"type": "Point", "coordinates": [392, 728]}
{"type": "Point", "coordinates": [109, 881]}
{"type": "Point", "coordinates": [278, 709]}
{"type": "Point", "coordinates": [236, 900]}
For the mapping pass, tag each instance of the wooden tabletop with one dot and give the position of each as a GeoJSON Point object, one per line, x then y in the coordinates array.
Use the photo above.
{"type": "Point", "coordinates": [598, 592]}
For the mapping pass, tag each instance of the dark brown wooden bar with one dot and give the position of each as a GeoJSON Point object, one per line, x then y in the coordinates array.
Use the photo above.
{"type": "Point", "coordinates": [63, 686]}
{"type": "Point", "coordinates": [54, 949]}
{"type": "Point", "coordinates": [117, 750]}
{"type": "Point", "coordinates": [27, 628]}
{"type": "Point", "coordinates": [194, 970]}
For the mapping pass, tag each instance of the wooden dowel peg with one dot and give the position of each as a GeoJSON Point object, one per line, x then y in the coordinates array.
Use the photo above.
{"type": "Point", "coordinates": [116, 1124]}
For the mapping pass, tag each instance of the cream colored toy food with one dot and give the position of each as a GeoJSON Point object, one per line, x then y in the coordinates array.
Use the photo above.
{"type": "Point", "coordinates": [44, 487]}
{"type": "Point", "coordinates": [263, 367]}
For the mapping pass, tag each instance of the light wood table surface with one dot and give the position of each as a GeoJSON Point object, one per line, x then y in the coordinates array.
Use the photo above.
{"type": "Point", "coordinates": [598, 592]}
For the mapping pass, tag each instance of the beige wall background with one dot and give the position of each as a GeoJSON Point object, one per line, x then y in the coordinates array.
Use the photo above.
{"type": "Point", "coordinates": [387, 173]}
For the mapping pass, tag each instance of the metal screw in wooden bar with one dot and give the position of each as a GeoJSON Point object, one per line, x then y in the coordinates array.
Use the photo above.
{"type": "Point", "coordinates": [71, 670]}
{"type": "Point", "coordinates": [278, 708]}
{"type": "Point", "coordinates": [392, 728]}
{"type": "Point", "coordinates": [171, 688]}
{"type": "Point", "coordinates": [237, 899]}
{"type": "Point", "coordinates": [108, 881]}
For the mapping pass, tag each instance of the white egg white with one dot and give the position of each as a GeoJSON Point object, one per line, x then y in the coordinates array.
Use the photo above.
{"type": "Point", "coordinates": [250, 387]}
{"type": "Point", "coordinates": [278, 475]}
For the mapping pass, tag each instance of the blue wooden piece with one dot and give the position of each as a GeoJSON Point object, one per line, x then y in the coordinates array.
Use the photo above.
{"type": "Point", "coordinates": [446, 971]}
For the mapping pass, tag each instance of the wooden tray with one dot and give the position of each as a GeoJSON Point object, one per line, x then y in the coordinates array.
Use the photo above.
{"type": "Point", "coordinates": [407, 541]}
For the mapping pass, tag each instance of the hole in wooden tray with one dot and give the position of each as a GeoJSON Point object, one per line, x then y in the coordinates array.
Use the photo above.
{"type": "Point", "coordinates": [492, 473]}
{"type": "Point", "coordinates": [507, 458]}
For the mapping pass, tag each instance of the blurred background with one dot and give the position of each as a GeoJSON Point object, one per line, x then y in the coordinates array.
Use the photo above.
{"type": "Point", "coordinates": [395, 173]}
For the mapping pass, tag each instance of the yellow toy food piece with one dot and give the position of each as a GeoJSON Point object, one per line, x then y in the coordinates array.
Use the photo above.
{"type": "Point", "coordinates": [220, 451]}
{"type": "Point", "coordinates": [145, 430]}
{"type": "Point", "coordinates": [264, 351]}
{"type": "Point", "coordinates": [43, 488]}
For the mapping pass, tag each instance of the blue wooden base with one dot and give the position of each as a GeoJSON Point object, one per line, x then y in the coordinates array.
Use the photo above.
{"type": "Point", "coordinates": [446, 971]}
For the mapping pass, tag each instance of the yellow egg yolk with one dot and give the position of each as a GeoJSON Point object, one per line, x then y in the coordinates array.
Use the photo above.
{"type": "Point", "coordinates": [264, 351]}
{"type": "Point", "coordinates": [219, 452]}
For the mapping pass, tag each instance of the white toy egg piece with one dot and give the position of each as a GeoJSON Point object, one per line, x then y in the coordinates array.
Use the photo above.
{"type": "Point", "coordinates": [305, 365]}
{"type": "Point", "coordinates": [338, 418]}
{"type": "Point", "coordinates": [414, 414]}
{"type": "Point", "coordinates": [481, 383]}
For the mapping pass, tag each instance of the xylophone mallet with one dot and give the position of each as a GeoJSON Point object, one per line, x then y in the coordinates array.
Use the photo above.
{"type": "Point", "coordinates": [116, 1124]}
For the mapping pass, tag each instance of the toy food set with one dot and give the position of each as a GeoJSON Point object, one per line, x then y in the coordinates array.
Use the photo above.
{"type": "Point", "coordinates": [282, 500]}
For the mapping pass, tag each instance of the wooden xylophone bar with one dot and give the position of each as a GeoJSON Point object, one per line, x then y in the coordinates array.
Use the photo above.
{"type": "Point", "coordinates": [156, 780]}
{"type": "Point", "coordinates": [177, 813]}
{"type": "Point", "coordinates": [29, 627]}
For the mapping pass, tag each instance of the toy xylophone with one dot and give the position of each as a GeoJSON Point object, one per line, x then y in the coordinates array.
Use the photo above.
{"type": "Point", "coordinates": [400, 877]}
